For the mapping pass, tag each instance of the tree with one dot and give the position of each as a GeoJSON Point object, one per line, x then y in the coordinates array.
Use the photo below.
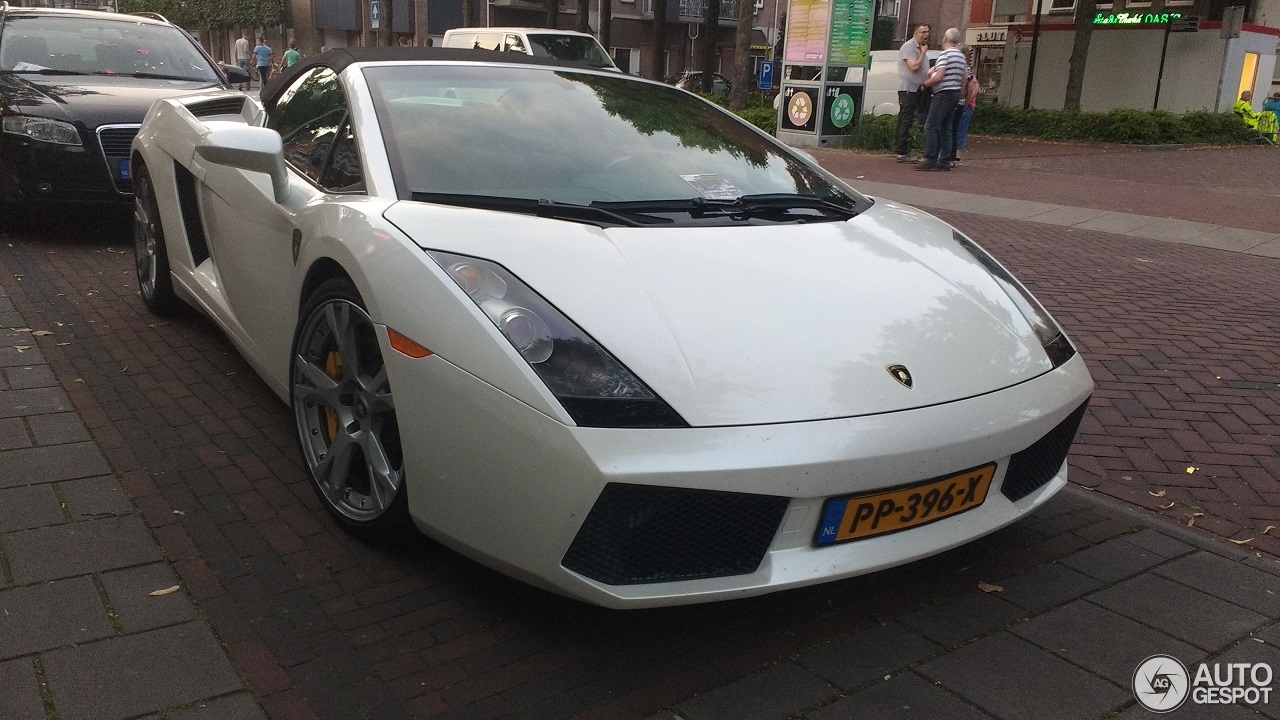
{"type": "Point", "coordinates": [742, 55]}
{"type": "Point", "coordinates": [1085, 10]}
{"type": "Point", "coordinates": [658, 62]}
{"type": "Point", "coordinates": [710, 33]}
{"type": "Point", "coordinates": [584, 16]}
{"type": "Point", "coordinates": [553, 10]}
{"type": "Point", "coordinates": [467, 12]}
{"type": "Point", "coordinates": [387, 22]}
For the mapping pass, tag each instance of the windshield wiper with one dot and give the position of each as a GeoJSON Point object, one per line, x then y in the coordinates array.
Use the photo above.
{"type": "Point", "coordinates": [159, 76]}
{"type": "Point", "coordinates": [592, 214]}
{"type": "Point", "coordinates": [742, 207]}
{"type": "Point", "coordinates": [41, 71]}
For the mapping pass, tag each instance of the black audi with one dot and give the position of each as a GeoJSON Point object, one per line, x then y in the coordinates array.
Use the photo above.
{"type": "Point", "coordinates": [74, 87]}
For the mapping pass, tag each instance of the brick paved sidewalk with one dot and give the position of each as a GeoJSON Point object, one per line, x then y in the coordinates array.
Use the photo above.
{"type": "Point", "coordinates": [81, 634]}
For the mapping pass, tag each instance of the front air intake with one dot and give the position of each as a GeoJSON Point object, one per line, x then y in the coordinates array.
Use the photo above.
{"type": "Point", "coordinates": [638, 534]}
{"type": "Point", "coordinates": [1032, 468]}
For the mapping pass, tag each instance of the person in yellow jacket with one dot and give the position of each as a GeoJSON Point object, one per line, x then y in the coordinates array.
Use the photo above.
{"type": "Point", "coordinates": [1263, 122]}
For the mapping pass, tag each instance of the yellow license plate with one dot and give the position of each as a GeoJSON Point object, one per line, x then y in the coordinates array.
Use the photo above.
{"type": "Point", "coordinates": [856, 517]}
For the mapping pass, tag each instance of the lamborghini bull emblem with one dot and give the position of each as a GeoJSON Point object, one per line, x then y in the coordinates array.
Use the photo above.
{"type": "Point", "coordinates": [901, 374]}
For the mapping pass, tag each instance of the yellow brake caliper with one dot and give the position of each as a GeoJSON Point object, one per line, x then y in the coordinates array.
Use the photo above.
{"type": "Point", "coordinates": [332, 368]}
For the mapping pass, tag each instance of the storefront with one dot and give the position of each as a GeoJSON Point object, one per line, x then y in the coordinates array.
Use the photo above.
{"type": "Point", "coordinates": [987, 47]}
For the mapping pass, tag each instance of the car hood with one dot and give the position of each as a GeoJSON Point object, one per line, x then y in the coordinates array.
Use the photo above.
{"type": "Point", "coordinates": [91, 100]}
{"type": "Point", "coordinates": [767, 324]}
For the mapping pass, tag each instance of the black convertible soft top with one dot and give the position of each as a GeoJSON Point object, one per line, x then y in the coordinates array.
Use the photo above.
{"type": "Point", "coordinates": [339, 58]}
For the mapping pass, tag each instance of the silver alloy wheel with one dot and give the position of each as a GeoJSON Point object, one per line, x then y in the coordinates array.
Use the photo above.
{"type": "Point", "coordinates": [345, 413]}
{"type": "Point", "coordinates": [145, 241]}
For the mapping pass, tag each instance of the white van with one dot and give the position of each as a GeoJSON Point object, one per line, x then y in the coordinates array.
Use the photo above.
{"type": "Point", "coordinates": [881, 96]}
{"type": "Point", "coordinates": [539, 42]}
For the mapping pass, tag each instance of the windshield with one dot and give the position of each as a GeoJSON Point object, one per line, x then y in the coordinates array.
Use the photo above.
{"type": "Point", "coordinates": [573, 48]}
{"type": "Point", "coordinates": [92, 46]}
{"type": "Point", "coordinates": [573, 137]}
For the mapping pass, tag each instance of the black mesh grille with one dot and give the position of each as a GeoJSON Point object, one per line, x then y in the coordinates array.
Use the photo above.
{"type": "Point", "coordinates": [190, 207]}
{"type": "Point", "coordinates": [642, 534]}
{"type": "Point", "coordinates": [116, 141]}
{"type": "Point", "coordinates": [220, 106]}
{"type": "Point", "coordinates": [1035, 466]}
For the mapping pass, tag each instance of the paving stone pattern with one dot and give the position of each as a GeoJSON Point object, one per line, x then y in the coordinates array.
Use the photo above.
{"type": "Point", "coordinates": [319, 625]}
{"type": "Point", "coordinates": [78, 566]}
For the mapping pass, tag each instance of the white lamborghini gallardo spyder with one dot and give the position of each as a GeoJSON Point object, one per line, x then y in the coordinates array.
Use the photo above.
{"type": "Point", "coordinates": [595, 332]}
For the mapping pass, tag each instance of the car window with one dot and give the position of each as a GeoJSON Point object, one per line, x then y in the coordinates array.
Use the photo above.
{"type": "Point", "coordinates": [311, 117]}
{"type": "Point", "coordinates": [92, 46]}
{"type": "Point", "coordinates": [514, 44]}
{"type": "Point", "coordinates": [345, 173]}
{"type": "Point", "coordinates": [573, 137]}
{"type": "Point", "coordinates": [574, 48]}
{"type": "Point", "coordinates": [488, 41]}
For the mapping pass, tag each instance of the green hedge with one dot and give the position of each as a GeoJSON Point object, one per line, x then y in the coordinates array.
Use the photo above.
{"type": "Point", "coordinates": [1122, 125]}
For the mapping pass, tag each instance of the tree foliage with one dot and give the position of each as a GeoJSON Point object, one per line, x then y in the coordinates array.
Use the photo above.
{"type": "Point", "coordinates": [213, 13]}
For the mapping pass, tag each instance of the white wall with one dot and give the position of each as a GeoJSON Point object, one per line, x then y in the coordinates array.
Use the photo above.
{"type": "Point", "coordinates": [1124, 64]}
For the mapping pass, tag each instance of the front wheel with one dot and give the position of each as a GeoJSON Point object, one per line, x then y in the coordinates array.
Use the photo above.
{"type": "Point", "coordinates": [345, 413]}
{"type": "Point", "coordinates": [151, 256]}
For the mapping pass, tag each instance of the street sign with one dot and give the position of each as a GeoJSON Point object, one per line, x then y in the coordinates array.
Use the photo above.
{"type": "Point", "coordinates": [765, 80]}
{"type": "Point", "coordinates": [375, 14]}
{"type": "Point", "coordinates": [1188, 23]}
{"type": "Point", "coordinates": [1232, 20]}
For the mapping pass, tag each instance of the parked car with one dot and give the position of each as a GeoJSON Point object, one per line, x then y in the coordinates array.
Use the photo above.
{"type": "Point", "coordinates": [691, 80]}
{"type": "Point", "coordinates": [564, 45]}
{"type": "Point", "coordinates": [74, 87]}
{"type": "Point", "coordinates": [598, 333]}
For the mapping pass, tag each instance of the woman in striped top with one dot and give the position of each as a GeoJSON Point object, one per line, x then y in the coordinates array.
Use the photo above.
{"type": "Point", "coordinates": [946, 78]}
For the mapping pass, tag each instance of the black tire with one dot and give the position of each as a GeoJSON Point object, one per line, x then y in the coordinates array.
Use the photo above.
{"type": "Point", "coordinates": [342, 403]}
{"type": "Point", "coordinates": [150, 253]}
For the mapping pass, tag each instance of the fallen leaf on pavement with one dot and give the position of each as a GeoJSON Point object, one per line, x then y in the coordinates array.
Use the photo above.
{"type": "Point", "coordinates": [1166, 507]}
{"type": "Point", "coordinates": [167, 591]}
{"type": "Point", "coordinates": [22, 348]}
{"type": "Point", "coordinates": [1192, 469]}
{"type": "Point", "coordinates": [989, 588]}
{"type": "Point", "coordinates": [1159, 494]}
{"type": "Point", "coordinates": [1268, 529]}
{"type": "Point", "coordinates": [42, 333]}
{"type": "Point", "coordinates": [1241, 542]}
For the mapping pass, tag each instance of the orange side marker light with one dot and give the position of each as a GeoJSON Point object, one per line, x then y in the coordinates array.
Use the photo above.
{"type": "Point", "coordinates": [405, 346]}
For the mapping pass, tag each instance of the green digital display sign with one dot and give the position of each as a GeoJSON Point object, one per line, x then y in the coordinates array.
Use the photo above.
{"type": "Point", "coordinates": [1134, 18]}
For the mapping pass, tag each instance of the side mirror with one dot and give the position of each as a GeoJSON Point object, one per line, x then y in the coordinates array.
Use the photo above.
{"type": "Point", "coordinates": [255, 149]}
{"type": "Point", "coordinates": [236, 75]}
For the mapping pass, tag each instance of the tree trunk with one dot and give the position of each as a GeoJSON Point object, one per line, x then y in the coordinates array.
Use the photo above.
{"type": "Point", "coordinates": [467, 12]}
{"type": "Point", "coordinates": [387, 28]}
{"type": "Point", "coordinates": [553, 11]}
{"type": "Point", "coordinates": [606, 19]}
{"type": "Point", "coordinates": [710, 33]}
{"type": "Point", "coordinates": [583, 23]}
{"type": "Point", "coordinates": [1085, 10]}
{"type": "Point", "coordinates": [657, 63]}
{"type": "Point", "coordinates": [742, 55]}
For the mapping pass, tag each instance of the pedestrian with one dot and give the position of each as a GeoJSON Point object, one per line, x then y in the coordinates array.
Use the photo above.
{"type": "Point", "coordinates": [292, 56]}
{"type": "Point", "coordinates": [1273, 103]}
{"type": "Point", "coordinates": [912, 72]}
{"type": "Point", "coordinates": [946, 78]}
{"type": "Point", "coordinates": [263, 55]}
{"type": "Point", "coordinates": [964, 115]}
{"type": "Point", "coordinates": [242, 56]}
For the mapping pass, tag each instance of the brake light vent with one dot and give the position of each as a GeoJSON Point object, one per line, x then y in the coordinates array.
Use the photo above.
{"type": "Point", "coordinates": [638, 534]}
{"type": "Point", "coordinates": [1030, 469]}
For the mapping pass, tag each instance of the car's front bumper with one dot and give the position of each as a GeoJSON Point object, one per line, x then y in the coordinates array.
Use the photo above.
{"type": "Point", "coordinates": [509, 486]}
{"type": "Point", "coordinates": [31, 170]}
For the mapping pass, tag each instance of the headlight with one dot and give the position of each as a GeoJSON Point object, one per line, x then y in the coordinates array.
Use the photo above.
{"type": "Point", "coordinates": [44, 129]}
{"type": "Point", "coordinates": [595, 389]}
{"type": "Point", "coordinates": [1054, 341]}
